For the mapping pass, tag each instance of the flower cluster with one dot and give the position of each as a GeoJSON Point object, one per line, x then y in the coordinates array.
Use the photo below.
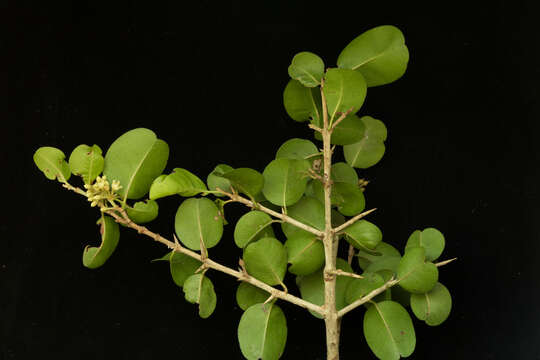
{"type": "Point", "coordinates": [101, 190]}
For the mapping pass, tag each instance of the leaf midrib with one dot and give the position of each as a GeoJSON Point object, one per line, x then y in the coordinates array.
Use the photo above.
{"type": "Point", "coordinates": [266, 321]}
{"type": "Point", "coordinates": [387, 328]}
{"type": "Point", "coordinates": [130, 182]}
{"type": "Point", "coordinates": [388, 49]}
{"type": "Point", "coordinates": [58, 169]}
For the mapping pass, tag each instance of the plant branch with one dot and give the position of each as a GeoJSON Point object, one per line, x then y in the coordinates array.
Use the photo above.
{"type": "Point", "coordinates": [352, 221]}
{"type": "Point", "coordinates": [121, 216]}
{"type": "Point", "coordinates": [340, 272]}
{"type": "Point", "coordinates": [340, 119]}
{"type": "Point", "coordinates": [445, 262]}
{"type": "Point", "coordinates": [316, 128]}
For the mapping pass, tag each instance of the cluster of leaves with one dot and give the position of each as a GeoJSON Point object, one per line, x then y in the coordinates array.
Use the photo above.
{"type": "Point", "coordinates": [291, 183]}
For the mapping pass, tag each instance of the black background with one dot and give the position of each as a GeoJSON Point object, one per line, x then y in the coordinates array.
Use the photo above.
{"type": "Point", "coordinates": [208, 78]}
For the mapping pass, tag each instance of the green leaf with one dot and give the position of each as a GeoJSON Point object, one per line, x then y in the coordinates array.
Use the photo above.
{"type": "Point", "coordinates": [432, 307]}
{"type": "Point", "coordinates": [297, 149]}
{"type": "Point", "coordinates": [262, 332]}
{"type": "Point", "coordinates": [182, 266]}
{"type": "Point", "coordinates": [266, 260]}
{"type": "Point", "coordinates": [179, 181]}
{"type": "Point", "coordinates": [343, 172]}
{"type": "Point", "coordinates": [361, 287]}
{"type": "Point", "coordinates": [430, 239]}
{"type": "Point", "coordinates": [248, 295]}
{"type": "Point", "coordinates": [51, 161]}
{"type": "Point", "coordinates": [379, 54]}
{"type": "Point", "coordinates": [348, 198]}
{"type": "Point", "coordinates": [245, 180]}
{"type": "Point", "coordinates": [370, 149]}
{"type": "Point", "coordinates": [86, 162]}
{"type": "Point", "coordinates": [349, 131]}
{"type": "Point", "coordinates": [302, 103]}
{"type": "Point", "coordinates": [135, 159]}
{"type": "Point", "coordinates": [389, 330]}
{"type": "Point", "coordinates": [309, 211]}
{"type": "Point", "coordinates": [198, 220]}
{"type": "Point", "coordinates": [386, 263]}
{"type": "Point", "coordinates": [307, 68]}
{"type": "Point", "coordinates": [312, 287]}
{"type": "Point", "coordinates": [305, 254]}
{"type": "Point", "coordinates": [94, 257]}
{"type": "Point", "coordinates": [382, 251]}
{"type": "Point", "coordinates": [344, 89]}
{"type": "Point", "coordinates": [401, 295]}
{"type": "Point", "coordinates": [251, 227]}
{"type": "Point", "coordinates": [416, 275]}
{"type": "Point", "coordinates": [214, 179]}
{"type": "Point", "coordinates": [143, 211]}
{"type": "Point", "coordinates": [198, 289]}
{"type": "Point", "coordinates": [363, 234]}
{"type": "Point", "coordinates": [285, 181]}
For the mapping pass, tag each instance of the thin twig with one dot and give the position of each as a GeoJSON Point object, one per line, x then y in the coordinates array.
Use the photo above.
{"type": "Point", "coordinates": [345, 273]}
{"type": "Point", "coordinates": [340, 119]}
{"type": "Point", "coordinates": [445, 262]}
{"type": "Point", "coordinates": [316, 128]}
{"type": "Point", "coordinates": [352, 220]}
{"type": "Point", "coordinates": [351, 254]}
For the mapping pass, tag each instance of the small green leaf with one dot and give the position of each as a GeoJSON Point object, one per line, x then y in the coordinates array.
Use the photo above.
{"type": "Point", "coordinates": [214, 179]}
{"type": "Point", "coordinates": [135, 159]}
{"type": "Point", "coordinates": [297, 149]}
{"type": "Point", "coordinates": [344, 89]}
{"type": "Point", "coordinates": [386, 263]}
{"type": "Point", "coordinates": [248, 295]}
{"type": "Point", "coordinates": [382, 251]}
{"type": "Point", "coordinates": [179, 181]}
{"type": "Point", "coordinates": [361, 287]}
{"type": "Point", "coordinates": [198, 220]}
{"type": "Point", "coordinates": [349, 131]}
{"type": "Point", "coordinates": [94, 257]}
{"type": "Point", "coordinates": [370, 149]}
{"type": "Point", "coordinates": [312, 287]}
{"type": "Point", "coordinates": [251, 227]}
{"type": "Point", "coordinates": [285, 181]}
{"type": "Point", "coordinates": [430, 239]}
{"type": "Point", "coordinates": [309, 211]}
{"type": "Point", "coordinates": [198, 289]}
{"type": "Point", "coordinates": [363, 234]}
{"type": "Point", "coordinates": [302, 103]}
{"type": "Point", "coordinates": [379, 54]}
{"type": "Point", "coordinates": [389, 330]}
{"type": "Point", "coordinates": [416, 275]}
{"type": "Point", "coordinates": [432, 307]}
{"type": "Point", "coordinates": [266, 260]}
{"type": "Point", "coordinates": [182, 266]}
{"type": "Point", "coordinates": [245, 180]}
{"type": "Point", "coordinates": [262, 332]}
{"type": "Point", "coordinates": [143, 211]}
{"type": "Point", "coordinates": [307, 68]}
{"type": "Point", "coordinates": [348, 198]}
{"type": "Point", "coordinates": [52, 162]}
{"type": "Point", "coordinates": [305, 254]}
{"type": "Point", "coordinates": [86, 162]}
{"type": "Point", "coordinates": [343, 172]}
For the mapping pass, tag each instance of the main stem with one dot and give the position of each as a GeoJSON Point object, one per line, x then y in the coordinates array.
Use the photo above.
{"type": "Point", "coordinates": [331, 318]}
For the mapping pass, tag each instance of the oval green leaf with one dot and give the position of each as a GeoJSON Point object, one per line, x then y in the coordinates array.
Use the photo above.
{"type": "Point", "coordinates": [305, 254]}
{"type": "Point", "coordinates": [348, 198]}
{"type": "Point", "coordinates": [285, 181]}
{"type": "Point", "coordinates": [307, 68]}
{"type": "Point", "coordinates": [143, 211]}
{"type": "Point", "coordinates": [343, 172]}
{"type": "Point", "coordinates": [344, 89]}
{"type": "Point", "coordinates": [309, 211]}
{"type": "Point", "coordinates": [430, 239]}
{"type": "Point", "coordinates": [182, 266]}
{"type": "Point", "coordinates": [432, 307]}
{"type": "Point", "coordinates": [416, 275]}
{"type": "Point", "coordinates": [361, 287]}
{"type": "Point", "coordinates": [87, 162]}
{"type": "Point", "coordinates": [214, 179]}
{"type": "Point", "coordinates": [380, 252]}
{"type": "Point", "coordinates": [52, 162]}
{"type": "Point", "coordinates": [198, 289]}
{"type": "Point", "coordinates": [251, 227]}
{"type": "Point", "coordinates": [363, 234]}
{"type": "Point", "coordinates": [247, 181]}
{"type": "Point", "coordinates": [179, 181]}
{"type": "Point", "coordinates": [248, 295]}
{"type": "Point", "coordinates": [297, 149]}
{"type": "Point", "coordinates": [379, 54]}
{"type": "Point", "coordinates": [266, 260]}
{"type": "Point", "coordinates": [370, 149]}
{"type": "Point", "coordinates": [135, 159]}
{"type": "Point", "coordinates": [94, 257]}
{"type": "Point", "coordinates": [198, 220]}
{"type": "Point", "coordinates": [389, 330]}
{"type": "Point", "coordinates": [302, 103]}
{"type": "Point", "coordinates": [262, 332]}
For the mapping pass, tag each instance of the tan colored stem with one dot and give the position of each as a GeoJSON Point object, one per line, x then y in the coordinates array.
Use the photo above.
{"type": "Point", "coordinates": [120, 216]}
{"type": "Point", "coordinates": [339, 272]}
{"type": "Point", "coordinates": [352, 221]}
